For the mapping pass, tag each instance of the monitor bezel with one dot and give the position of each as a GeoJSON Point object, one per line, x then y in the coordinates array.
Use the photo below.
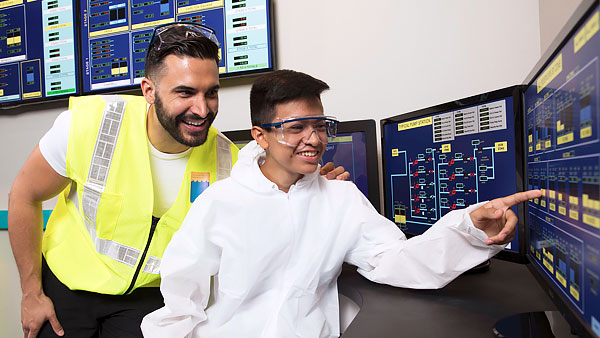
{"type": "Point", "coordinates": [513, 91]}
{"type": "Point", "coordinates": [368, 127]}
{"type": "Point", "coordinates": [580, 15]}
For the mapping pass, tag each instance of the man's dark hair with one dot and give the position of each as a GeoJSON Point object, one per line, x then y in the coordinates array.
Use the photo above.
{"type": "Point", "coordinates": [175, 41]}
{"type": "Point", "coordinates": [280, 87]}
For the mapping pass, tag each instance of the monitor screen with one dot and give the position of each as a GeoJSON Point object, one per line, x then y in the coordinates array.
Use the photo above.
{"type": "Point", "coordinates": [562, 126]}
{"type": "Point", "coordinates": [116, 34]}
{"type": "Point", "coordinates": [38, 53]}
{"type": "Point", "coordinates": [354, 148]}
{"type": "Point", "coordinates": [451, 156]}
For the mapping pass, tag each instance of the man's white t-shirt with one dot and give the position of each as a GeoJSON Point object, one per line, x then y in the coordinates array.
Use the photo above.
{"type": "Point", "coordinates": [167, 169]}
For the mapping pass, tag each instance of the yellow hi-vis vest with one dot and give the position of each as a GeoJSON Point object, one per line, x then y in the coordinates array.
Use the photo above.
{"type": "Point", "coordinates": [105, 239]}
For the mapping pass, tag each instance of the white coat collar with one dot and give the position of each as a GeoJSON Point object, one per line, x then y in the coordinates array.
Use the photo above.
{"type": "Point", "coordinates": [246, 171]}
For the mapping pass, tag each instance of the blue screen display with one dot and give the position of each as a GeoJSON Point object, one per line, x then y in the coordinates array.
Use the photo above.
{"type": "Point", "coordinates": [38, 54]}
{"type": "Point", "coordinates": [563, 159]}
{"type": "Point", "coordinates": [448, 160]}
{"type": "Point", "coordinates": [116, 33]}
{"type": "Point", "coordinates": [349, 150]}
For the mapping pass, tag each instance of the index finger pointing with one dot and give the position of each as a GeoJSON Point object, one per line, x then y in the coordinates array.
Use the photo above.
{"type": "Point", "coordinates": [519, 197]}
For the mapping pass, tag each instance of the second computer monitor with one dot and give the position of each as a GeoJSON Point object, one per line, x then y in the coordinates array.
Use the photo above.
{"type": "Point", "coordinates": [451, 156]}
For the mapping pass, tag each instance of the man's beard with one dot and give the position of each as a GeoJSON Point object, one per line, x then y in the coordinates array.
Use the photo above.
{"type": "Point", "coordinates": [171, 125]}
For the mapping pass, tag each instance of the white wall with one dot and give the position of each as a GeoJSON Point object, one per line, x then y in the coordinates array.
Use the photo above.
{"type": "Point", "coordinates": [391, 57]}
{"type": "Point", "coordinates": [553, 16]}
{"type": "Point", "coordinates": [381, 58]}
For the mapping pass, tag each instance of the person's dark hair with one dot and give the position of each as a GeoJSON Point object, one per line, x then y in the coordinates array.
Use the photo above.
{"type": "Point", "coordinates": [280, 87]}
{"type": "Point", "coordinates": [174, 42]}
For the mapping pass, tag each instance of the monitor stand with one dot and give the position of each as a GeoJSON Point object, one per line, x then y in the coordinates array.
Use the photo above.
{"type": "Point", "coordinates": [481, 267]}
{"type": "Point", "coordinates": [542, 324]}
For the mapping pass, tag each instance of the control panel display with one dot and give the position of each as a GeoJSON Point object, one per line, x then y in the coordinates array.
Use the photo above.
{"type": "Point", "coordinates": [116, 33]}
{"type": "Point", "coordinates": [563, 160]}
{"type": "Point", "coordinates": [446, 160]}
{"type": "Point", "coordinates": [38, 53]}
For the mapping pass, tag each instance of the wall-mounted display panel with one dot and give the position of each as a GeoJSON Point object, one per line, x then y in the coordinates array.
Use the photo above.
{"type": "Point", "coordinates": [38, 51]}
{"type": "Point", "coordinates": [116, 33]}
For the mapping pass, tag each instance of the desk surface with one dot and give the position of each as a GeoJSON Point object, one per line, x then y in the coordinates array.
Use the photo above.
{"type": "Point", "coordinates": [467, 307]}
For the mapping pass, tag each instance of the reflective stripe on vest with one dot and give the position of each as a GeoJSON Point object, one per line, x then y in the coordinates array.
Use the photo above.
{"type": "Point", "coordinates": [223, 157]}
{"type": "Point", "coordinates": [106, 140]}
{"type": "Point", "coordinates": [110, 125]}
{"type": "Point", "coordinates": [153, 265]}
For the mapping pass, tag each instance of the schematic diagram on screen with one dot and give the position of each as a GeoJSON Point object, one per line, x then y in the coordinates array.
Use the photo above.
{"type": "Point", "coordinates": [449, 161]}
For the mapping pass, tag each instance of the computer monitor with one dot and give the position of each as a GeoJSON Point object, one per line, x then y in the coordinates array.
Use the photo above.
{"type": "Point", "coordinates": [562, 125]}
{"type": "Point", "coordinates": [38, 51]}
{"type": "Point", "coordinates": [115, 35]}
{"type": "Point", "coordinates": [451, 156]}
{"type": "Point", "coordinates": [354, 148]}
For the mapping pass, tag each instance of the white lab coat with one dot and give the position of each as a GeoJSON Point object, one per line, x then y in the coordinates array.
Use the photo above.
{"type": "Point", "coordinates": [276, 256]}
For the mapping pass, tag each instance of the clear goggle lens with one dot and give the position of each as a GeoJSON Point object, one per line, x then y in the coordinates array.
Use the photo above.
{"type": "Point", "coordinates": [188, 30]}
{"type": "Point", "coordinates": [292, 131]}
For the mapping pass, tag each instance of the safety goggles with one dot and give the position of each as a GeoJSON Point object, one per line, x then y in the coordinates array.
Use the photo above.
{"type": "Point", "coordinates": [187, 30]}
{"type": "Point", "coordinates": [293, 130]}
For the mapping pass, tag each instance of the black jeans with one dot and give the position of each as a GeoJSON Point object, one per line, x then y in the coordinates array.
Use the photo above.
{"type": "Point", "coordinates": [87, 314]}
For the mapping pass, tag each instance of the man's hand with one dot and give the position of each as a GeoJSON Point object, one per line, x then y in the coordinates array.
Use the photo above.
{"type": "Point", "coordinates": [35, 311]}
{"type": "Point", "coordinates": [334, 173]}
{"type": "Point", "coordinates": [496, 218]}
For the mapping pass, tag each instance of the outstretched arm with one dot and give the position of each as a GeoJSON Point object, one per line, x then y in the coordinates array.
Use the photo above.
{"type": "Point", "coordinates": [457, 242]}
{"type": "Point", "coordinates": [35, 182]}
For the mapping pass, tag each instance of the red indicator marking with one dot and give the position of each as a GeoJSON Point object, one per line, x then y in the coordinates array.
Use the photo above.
{"type": "Point", "coordinates": [453, 207]}
{"type": "Point", "coordinates": [417, 186]}
{"type": "Point", "coordinates": [415, 161]}
{"type": "Point", "coordinates": [418, 210]}
{"type": "Point", "coordinates": [451, 161]}
{"type": "Point", "coordinates": [416, 174]}
{"type": "Point", "coordinates": [452, 177]}
{"type": "Point", "coordinates": [453, 192]}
